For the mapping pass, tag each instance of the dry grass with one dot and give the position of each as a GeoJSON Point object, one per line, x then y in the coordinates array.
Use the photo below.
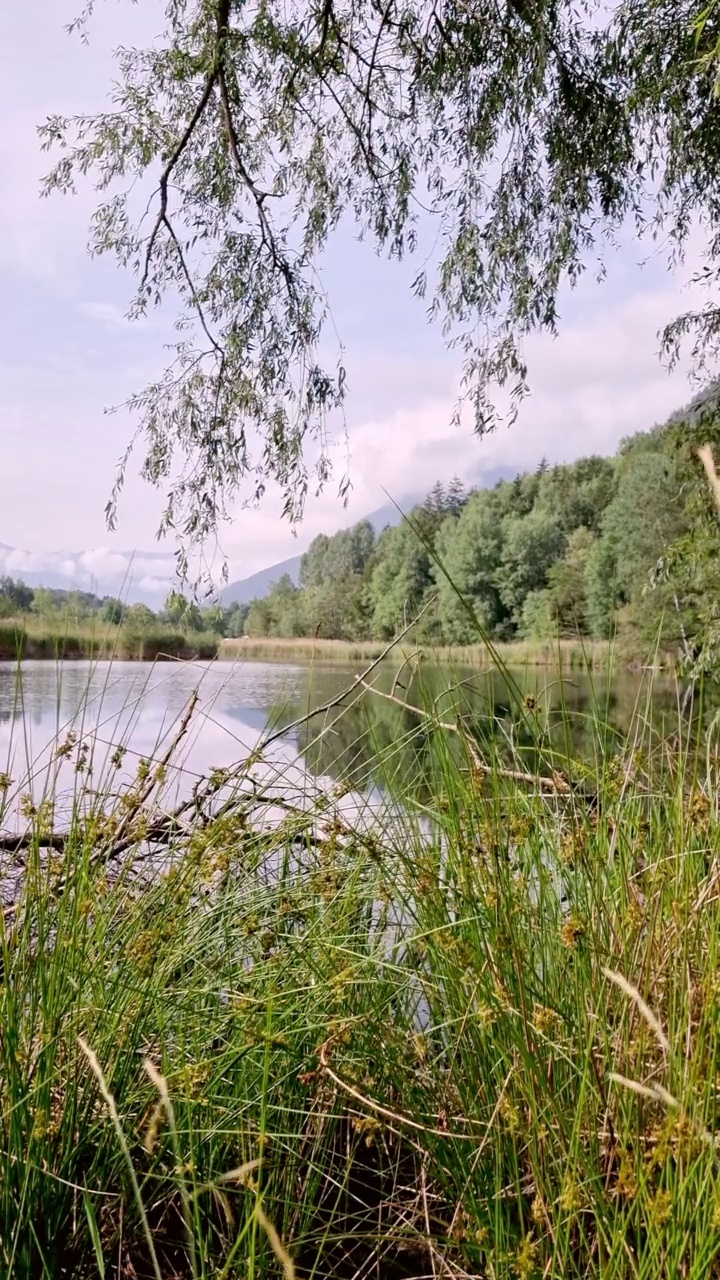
{"type": "Point", "coordinates": [595, 655]}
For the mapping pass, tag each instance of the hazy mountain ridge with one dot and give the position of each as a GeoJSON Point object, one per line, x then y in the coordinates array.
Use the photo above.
{"type": "Point", "coordinates": [243, 590]}
{"type": "Point", "coordinates": [147, 576]}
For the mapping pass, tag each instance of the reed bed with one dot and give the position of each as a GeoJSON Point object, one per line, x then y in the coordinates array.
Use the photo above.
{"type": "Point", "coordinates": [50, 639]}
{"type": "Point", "coordinates": [590, 655]}
{"type": "Point", "coordinates": [475, 1035]}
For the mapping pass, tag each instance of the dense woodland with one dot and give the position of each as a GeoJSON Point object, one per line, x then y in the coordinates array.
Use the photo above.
{"type": "Point", "coordinates": [622, 546]}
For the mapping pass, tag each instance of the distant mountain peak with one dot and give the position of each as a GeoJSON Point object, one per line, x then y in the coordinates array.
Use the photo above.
{"type": "Point", "coordinates": [145, 576]}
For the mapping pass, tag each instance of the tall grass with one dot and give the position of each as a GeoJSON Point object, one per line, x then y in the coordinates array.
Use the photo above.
{"type": "Point", "coordinates": [475, 1035]}
{"type": "Point", "coordinates": [594, 655]}
{"type": "Point", "coordinates": [29, 637]}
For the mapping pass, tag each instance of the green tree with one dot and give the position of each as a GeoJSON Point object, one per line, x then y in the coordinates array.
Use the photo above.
{"type": "Point", "coordinates": [530, 546]}
{"type": "Point", "coordinates": [312, 565]}
{"type": "Point", "coordinates": [567, 584]}
{"type": "Point", "coordinates": [469, 549]}
{"type": "Point", "coordinates": [531, 132]}
{"type": "Point", "coordinates": [213, 618]}
{"type": "Point", "coordinates": [192, 619]}
{"type": "Point", "coordinates": [645, 518]}
{"type": "Point", "coordinates": [15, 597]}
{"type": "Point", "coordinates": [139, 617]}
{"type": "Point", "coordinates": [456, 496]}
{"type": "Point", "coordinates": [235, 618]}
{"type": "Point", "coordinates": [285, 602]}
{"type": "Point", "coordinates": [259, 620]}
{"type": "Point", "coordinates": [45, 601]}
{"type": "Point", "coordinates": [402, 572]}
{"type": "Point", "coordinates": [175, 607]}
{"type": "Point", "coordinates": [338, 611]}
{"type": "Point", "coordinates": [690, 570]}
{"type": "Point", "coordinates": [437, 500]}
{"type": "Point", "coordinates": [578, 495]}
{"type": "Point", "coordinates": [537, 619]}
{"type": "Point", "coordinates": [113, 611]}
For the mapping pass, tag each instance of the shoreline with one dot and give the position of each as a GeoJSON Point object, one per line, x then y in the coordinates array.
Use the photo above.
{"type": "Point", "coordinates": [590, 655]}
{"type": "Point", "coordinates": [19, 643]}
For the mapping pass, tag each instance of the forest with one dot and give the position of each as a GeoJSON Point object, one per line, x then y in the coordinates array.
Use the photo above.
{"type": "Point", "coordinates": [621, 547]}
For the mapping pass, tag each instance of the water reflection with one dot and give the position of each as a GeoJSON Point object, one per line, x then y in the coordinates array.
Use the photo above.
{"type": "Point", "coordinates": [538, 715]}
{"type": "Point", "coordinates": [138, 706]}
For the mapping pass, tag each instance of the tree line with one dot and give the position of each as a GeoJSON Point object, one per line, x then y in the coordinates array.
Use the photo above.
{"type": "Point", "coordinates": [624, 546]}
{"type": "Point", "coordinates": [63, 607]}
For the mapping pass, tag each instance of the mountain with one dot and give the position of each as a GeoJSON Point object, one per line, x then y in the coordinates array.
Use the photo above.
{"type": "Point", "coordinates": [258, 584]}
{"type": "Point", "coordinates": [144, 576]}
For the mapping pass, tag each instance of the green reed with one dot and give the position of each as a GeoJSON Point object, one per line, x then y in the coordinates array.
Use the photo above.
{"type": "Point", "coordinates": [475, 1035]}
{"type": "Point", "coordinates": [41, 638]}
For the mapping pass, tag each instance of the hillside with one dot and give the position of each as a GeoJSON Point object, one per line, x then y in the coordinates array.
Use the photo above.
{"type": "Point", "coordinates": [258, 584]}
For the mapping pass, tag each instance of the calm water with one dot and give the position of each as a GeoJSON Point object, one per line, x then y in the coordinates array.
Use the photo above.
{"type": "Point", "coordinates": [138, 706]}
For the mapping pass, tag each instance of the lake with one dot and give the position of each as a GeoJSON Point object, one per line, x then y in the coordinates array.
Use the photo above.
{"type": "Point", "coordinates": [138, 706]}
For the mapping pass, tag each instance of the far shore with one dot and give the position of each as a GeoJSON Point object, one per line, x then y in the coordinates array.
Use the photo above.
{"type": "Point", "coordinates": [44, 639]}
{"type": "Point", "coordinates": [594, 655]}
{"type": "Point", "coordinates": [39, 641]}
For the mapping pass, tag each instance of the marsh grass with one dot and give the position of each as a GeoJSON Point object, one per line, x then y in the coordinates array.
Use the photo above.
{"type": "Point", "coordinates": [581, 654]}
{"type": "Point", "coordinates": [30, 637]}
{"type": "Point", "coordinates": [476, 1035]}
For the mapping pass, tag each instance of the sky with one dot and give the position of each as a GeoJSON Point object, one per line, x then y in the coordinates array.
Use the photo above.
{"type": "Point", "coordinates": [67, 351]}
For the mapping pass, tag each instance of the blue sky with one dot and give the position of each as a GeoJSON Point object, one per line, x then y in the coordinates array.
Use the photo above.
{"type": "Point", "coordinates": [67, 352]}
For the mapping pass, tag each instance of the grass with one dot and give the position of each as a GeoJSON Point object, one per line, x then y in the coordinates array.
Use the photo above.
{"type": "Point", "coordinates": [38, 637]}
{"type": "Point", "coordinates": [594, 655]}
{"type": "Point", "coordinates": [476, 1035]}
{"type": "Point", "coordinates": [31, 637]}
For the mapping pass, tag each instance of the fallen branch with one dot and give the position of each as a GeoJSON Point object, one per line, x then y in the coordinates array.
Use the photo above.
{"type": "Point", "coordinates": [555, 784]}
{"type": "Point", "coordinates": [32, 839]}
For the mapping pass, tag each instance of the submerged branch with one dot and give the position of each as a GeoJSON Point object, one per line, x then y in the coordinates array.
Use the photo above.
{"type": "Point", "coordinates": [556, 783]}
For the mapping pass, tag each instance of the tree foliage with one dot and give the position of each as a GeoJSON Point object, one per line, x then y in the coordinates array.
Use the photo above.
{"type": "Point", "coordinates": [624, 547]}
{"type": "Point", "coordinates": [518, 138]}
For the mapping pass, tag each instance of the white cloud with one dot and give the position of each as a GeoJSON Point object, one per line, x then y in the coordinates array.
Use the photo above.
{"type": "Point", "coordinates": [13, 560]}
{"type": "Point", "coordinates": [594, 384]}
{"type": "Point", "coordinates": [158, 586]}
{"type": "Point", "coordinates": [103, 560]}
{"type": "Point", "coordinates": [154, 565]}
